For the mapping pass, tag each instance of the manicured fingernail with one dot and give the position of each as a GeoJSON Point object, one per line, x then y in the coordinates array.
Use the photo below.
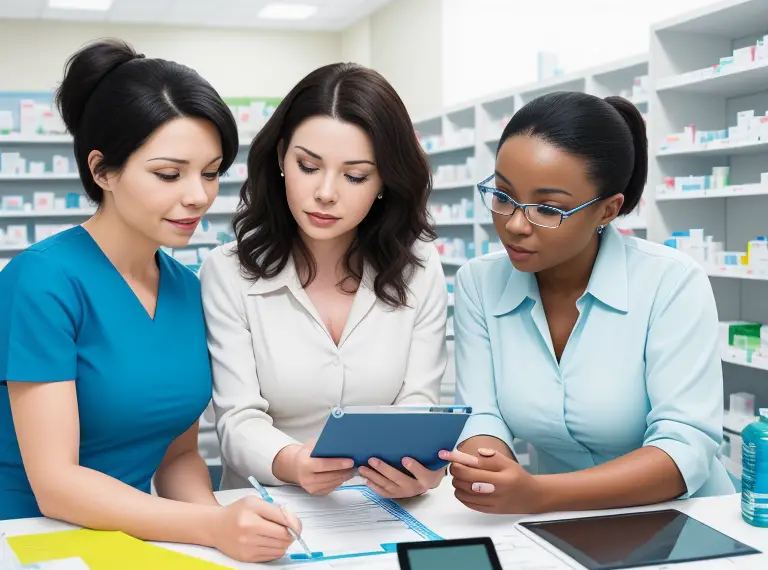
{"type": "Point", "coordinates": [373, 462]}
{"type": "Point", "coordinates": [349, 464]}
{"type": "Point", "coordinates": [486, 452]}
{"type": "Point", "coordinates": [444, 454]}
{"type": "Point", "coordinates": [407, 462]}
{"type": "Point", "coordinates": [484, 488]}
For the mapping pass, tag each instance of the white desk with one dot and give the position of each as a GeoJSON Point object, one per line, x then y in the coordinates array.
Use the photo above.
{"type": "Point", "coordinates": [442, 513]}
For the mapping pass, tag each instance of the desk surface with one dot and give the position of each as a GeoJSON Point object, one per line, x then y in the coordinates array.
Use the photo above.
{"type": "Point", "coordinates": [441, 512]}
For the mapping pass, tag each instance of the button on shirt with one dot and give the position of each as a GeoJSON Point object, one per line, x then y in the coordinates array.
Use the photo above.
{"type": "Point", "coordinates": [641, 367]}
{"type": "Point", "coordinates": [277, 372]}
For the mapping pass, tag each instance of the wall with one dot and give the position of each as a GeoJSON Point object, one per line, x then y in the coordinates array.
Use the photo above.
{"type": "Point", "coordinates": [255, 63]}
{"type": "Point", "coordinates": [491, 45]}
{"type": "Point", "coordinates": [356, 43]}
{"type": "Point", "coordinates": [406, 47]}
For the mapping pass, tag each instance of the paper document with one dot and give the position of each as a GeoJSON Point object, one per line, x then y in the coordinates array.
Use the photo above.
{"type": "Point", "coordinates": [350, 521]}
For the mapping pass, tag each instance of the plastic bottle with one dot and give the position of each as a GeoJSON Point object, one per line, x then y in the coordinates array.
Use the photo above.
{"type": "Point", "coordinates": [754, 478]}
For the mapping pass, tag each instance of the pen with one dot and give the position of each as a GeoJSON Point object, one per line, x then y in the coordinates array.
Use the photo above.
{"type": "Point", "coordinates": [265, 496]}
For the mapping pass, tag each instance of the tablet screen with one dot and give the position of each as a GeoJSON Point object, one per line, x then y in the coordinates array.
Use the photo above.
{"type": "Point", "coordinates": [462, 554]}
{"type": "Point", "coordinates": [638, 539]}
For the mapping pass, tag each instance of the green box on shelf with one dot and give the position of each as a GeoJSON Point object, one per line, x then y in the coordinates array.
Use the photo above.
{"type": "Point", "coordinates": [750, 330]}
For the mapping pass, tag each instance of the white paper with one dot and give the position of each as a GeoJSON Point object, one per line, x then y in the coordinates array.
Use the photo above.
{"type": "Point", "coordinates": [63, 564]}
{"type": "Point", "coordinates": [343, 522]}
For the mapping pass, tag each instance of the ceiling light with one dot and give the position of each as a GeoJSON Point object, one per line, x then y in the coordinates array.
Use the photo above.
{"type": "Point", "coordinates": [280, 11]}
{"type": "Point", "coordinates": [96, 5]}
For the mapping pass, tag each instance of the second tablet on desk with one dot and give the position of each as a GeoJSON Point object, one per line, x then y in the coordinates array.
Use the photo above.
{"type": "Point", "coordinates": [390, 433]}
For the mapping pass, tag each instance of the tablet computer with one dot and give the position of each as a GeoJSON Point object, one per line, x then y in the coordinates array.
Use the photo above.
{"type": "Point", "coordinates": [633, 540]}
{"type": "Point", "coordinates": [390, 433]}
{"type": "Point", "coordinates": [462, 554]}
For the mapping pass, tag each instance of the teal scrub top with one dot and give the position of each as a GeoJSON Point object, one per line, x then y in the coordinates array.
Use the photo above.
{"type": "Point", "coordinates": [641, 367]}
{"type": "Point", "coordinates": [67, 314]}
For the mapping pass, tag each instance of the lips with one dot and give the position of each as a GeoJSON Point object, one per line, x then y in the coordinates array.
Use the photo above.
{"type": "Point", "coordinates": [519, 249]}
{"type": "Point", "coordinates": [322, 216]}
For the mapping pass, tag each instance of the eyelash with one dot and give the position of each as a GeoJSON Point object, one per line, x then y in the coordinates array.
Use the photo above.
{"type": "Point", "coordinates": [352, 179]}
{"type": "Point", "coordinates": [210, 176]}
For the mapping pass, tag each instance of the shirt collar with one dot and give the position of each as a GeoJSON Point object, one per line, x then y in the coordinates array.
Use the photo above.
{"type": "Point", "coordinates": [607, 284]}
{"type": "Point", "coordinates": [288, 277]}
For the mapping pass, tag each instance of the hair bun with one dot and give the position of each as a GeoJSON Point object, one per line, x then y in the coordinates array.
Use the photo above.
{"type": "Point", "coordinates": [83, 72]}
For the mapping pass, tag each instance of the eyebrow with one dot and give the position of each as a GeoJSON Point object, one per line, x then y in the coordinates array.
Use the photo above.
{"type": "Point", "coordinates": [180, 160]}
{"type": "Point", "coordinates": [349, 162]}
{"type": "Point", "coordinates": [540, 191]}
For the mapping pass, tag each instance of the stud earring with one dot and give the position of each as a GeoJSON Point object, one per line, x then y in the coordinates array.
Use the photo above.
{"type": "Point", "coordinates": [282, 174]}
{"type": "Point", "coordinates": [600, 230]}
{"type": "Point", "coordinates": [380, 196]}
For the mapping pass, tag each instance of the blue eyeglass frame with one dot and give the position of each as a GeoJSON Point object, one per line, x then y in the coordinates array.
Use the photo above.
{"type": "Point", "coordinates": [484, 189]}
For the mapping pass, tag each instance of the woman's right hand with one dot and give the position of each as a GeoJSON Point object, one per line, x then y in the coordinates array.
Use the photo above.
{"type": "Point", "coordinates": [317, 476]}
{"type": "Point", "coordinates": [252, 530]}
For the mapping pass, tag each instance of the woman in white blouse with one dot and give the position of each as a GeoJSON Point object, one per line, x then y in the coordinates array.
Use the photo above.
{"type": "Point", "coordinates": [333, 294]}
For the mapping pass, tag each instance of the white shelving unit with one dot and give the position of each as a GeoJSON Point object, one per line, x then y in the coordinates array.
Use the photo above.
{"type": "Point", "coordinates": [686, 91]}
{"type": "Point", "coordinates": [485, 118]}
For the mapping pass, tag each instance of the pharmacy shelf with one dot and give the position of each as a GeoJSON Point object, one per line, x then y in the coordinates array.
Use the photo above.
{"type": "Point", "coordinates": [727, 192]}
{"type": "Point", "coordinates": [735, 423]}
{"type": "Point", "coordinates": [739, 358]}
{"type": "Point", "coordinates": [68, 213]}
{"type": "Point", "coordinates": [13, 248]}
{"type": "Point", "coordinates": [464, 222]}
{"type": "Point", "coordinates": [735, 272]}
{"type": "Point", "coordinates": [454, 185]}
{"type": "Point", "coordinates": [632, 223]}
{"type": "Point", "coordinates": [453, 261]}
{"type": "Point", "coordinates": [733, 81]}
{"type": "Point", "coordinates": [450, 149]}
{"type": "Point", "coordinates": [17, 138]}
{"type": "Point", "coordinates": [717, 148]}
{"type": "Point", "coordinates": [39, 177]}
{"type": "Point", "coordinates": [231, 180]}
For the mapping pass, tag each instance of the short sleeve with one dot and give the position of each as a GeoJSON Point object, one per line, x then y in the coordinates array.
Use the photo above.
{"type": "Point", "coordinates": [40, 313]}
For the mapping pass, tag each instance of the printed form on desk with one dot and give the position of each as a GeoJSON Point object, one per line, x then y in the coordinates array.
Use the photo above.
{"type": "Point", "coordinates": [351, 521]}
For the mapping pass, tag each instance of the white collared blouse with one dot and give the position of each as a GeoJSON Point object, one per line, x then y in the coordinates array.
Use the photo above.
{"type": "Point", "coordinates": [277, 372]}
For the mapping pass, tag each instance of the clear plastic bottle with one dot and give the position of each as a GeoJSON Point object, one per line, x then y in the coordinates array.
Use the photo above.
{"type": "Point", "coordinates": [754, 478]}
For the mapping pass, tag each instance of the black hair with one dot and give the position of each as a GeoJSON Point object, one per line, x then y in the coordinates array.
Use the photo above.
{"type": "Point", "coordinates": [267, 233]}
{"type": "Point", "coordinates": [608, 134]}
{"type": "Point", "coordinates": [112, 99]}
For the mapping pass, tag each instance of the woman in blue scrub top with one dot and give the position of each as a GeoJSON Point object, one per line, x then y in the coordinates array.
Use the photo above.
{"type": "Point", "coordinates": [103, 355]}
{"type": "Point", "coordinates": [598, 349]}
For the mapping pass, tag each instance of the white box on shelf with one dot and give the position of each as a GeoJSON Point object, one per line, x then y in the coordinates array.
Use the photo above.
{"type": "Point", "coordinates": [60, 164]}
{"type": "Point", "coordinates": [59, 204]}
{"type": "Point", "coordinates": [44, 201]}
{"type": "Point", "coordinates": [12, 202]}
{"type": "Point", "coordinates": [28, 121]}
{"type": "Point", "coordinates": [8, 161]}
{"type": "Point", "coordinates": [6, 122]}
{"type": "Point", "coordinates": [742, 404]}
{"type": "Point", "coordinates": [16, 234]}
{"type": "Point", "coordinates": [37, 168]}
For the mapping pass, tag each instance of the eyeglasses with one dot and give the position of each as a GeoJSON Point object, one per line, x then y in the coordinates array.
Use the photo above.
{"type": "Point", "coordinates": [538, 214]}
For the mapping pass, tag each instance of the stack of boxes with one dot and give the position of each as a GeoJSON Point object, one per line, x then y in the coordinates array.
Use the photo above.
{"type": "Point", "coordinates": [711, 253]}
{"type": "Point", "coordinates": [749, 129]}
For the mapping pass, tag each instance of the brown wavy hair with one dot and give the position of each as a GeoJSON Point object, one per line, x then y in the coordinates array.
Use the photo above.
{"type": "Point", "coordinates": [267, 233]}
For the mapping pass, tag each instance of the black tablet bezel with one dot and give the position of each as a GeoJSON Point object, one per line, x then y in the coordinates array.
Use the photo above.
{"type": "Point", "coordinates": [590, 564]}
{"type": "Point", "coordinates": [405, 547]}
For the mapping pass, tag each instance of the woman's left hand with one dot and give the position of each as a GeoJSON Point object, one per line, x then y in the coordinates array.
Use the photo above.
{"type": "Point", "coordinates": [494, 483]}
{"type": "Point", "coordinates": [390, 483]}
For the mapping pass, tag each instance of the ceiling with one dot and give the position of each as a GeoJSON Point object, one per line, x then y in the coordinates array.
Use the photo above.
{"type": "Point", "coordinates": [332, 15]}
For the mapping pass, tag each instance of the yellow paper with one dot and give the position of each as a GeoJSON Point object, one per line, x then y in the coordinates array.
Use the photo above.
{"type": "Point", "coordinates": [102, 550]}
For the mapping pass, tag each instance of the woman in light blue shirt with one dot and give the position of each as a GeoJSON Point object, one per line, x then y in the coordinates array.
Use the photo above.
{"type": "Point", "coordinates": [598, 349]}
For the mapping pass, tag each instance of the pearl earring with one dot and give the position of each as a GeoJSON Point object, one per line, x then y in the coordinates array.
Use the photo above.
{"type": "Point", "coordinates": [380, 196]}
{"type": "Point", "coordinates": [282, 174]}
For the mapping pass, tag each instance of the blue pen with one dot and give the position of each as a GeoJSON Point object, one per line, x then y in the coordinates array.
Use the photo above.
{"type": "Point", "coordinates": [265, 496]}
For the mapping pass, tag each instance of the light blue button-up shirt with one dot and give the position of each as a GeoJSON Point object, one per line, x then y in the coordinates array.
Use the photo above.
{"type": "Point", "coordinates": [641, 367]}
